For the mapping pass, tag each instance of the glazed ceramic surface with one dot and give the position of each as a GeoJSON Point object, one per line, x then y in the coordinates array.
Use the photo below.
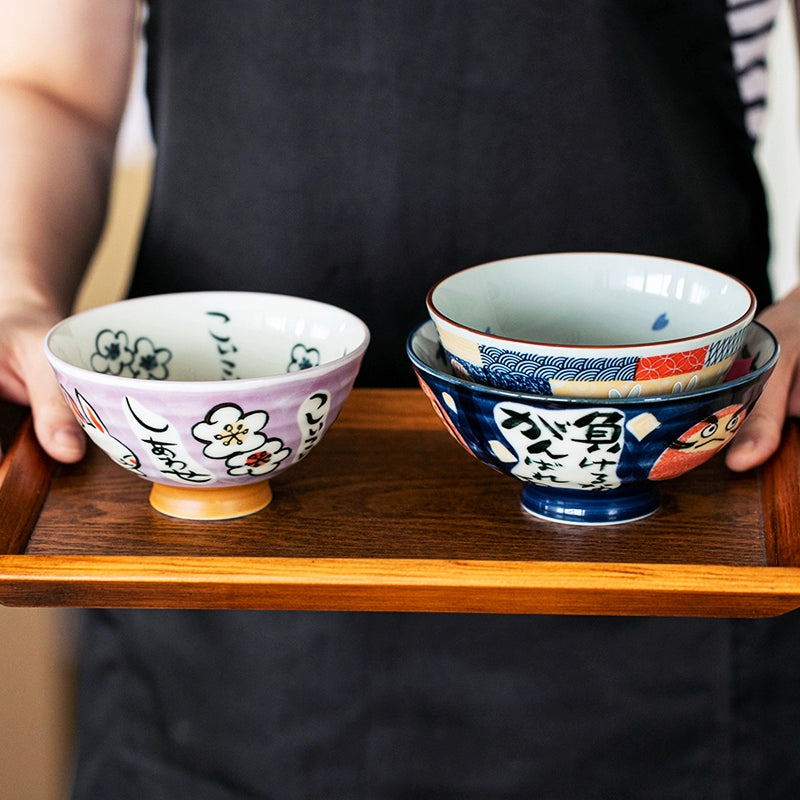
{"type": "Point", "coordinates": [592, 324]}
{"type": "Point", "coordinates": [207, 389]}
{"type": "Point", "coordinates": [589, 460]}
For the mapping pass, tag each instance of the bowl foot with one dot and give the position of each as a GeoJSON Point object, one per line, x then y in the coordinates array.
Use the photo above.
{"type": "Point", "coordinates": [222, 502]}
{"type": "Point", "coordinates": [580, 507]}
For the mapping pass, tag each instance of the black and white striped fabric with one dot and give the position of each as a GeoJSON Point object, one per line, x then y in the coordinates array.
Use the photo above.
{"type": "Point", "coordinates": [751, 23]}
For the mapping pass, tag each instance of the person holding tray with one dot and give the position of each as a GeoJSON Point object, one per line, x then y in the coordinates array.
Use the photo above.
{"type": "Point", "coordinates": [354, 152]}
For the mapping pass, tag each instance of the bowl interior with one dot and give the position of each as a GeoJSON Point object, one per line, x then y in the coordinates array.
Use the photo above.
{"type": "Point", "coordinates": [207, 336]}
{"type": "Point", "coordinates": [591, 299]}
{"type": "Point", "coordinates": [759, 353]}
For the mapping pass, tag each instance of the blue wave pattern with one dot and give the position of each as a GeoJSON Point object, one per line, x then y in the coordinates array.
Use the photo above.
{"type": "Point", "coordinates": [534, 373]}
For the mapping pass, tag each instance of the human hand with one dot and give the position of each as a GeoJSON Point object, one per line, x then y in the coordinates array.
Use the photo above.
{"type": "Point", "coordinates": [761, 432]}
{"type": "Point", "coordinates": [26, 379]}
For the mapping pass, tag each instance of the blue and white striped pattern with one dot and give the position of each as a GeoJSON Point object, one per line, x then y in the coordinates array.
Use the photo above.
{"type": "Point", "coordinates": [725, 348]}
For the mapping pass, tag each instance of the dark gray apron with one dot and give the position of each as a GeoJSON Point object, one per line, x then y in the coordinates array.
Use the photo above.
{"type": "Point", "coordinates": [355, 152]}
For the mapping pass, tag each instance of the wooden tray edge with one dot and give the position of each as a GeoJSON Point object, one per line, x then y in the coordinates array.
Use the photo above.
{"type": "Point", "coordinates": [414, 585]}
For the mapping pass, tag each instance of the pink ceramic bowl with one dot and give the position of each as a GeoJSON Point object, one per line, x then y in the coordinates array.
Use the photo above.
{"type": "Point", "coordinates": [208, 394]}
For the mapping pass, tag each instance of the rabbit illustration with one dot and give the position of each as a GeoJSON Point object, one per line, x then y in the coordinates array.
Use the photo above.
{"type": "Point", "coordinates": [96, 430]}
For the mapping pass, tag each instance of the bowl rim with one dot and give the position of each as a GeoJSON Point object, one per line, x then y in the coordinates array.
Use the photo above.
{"type": "Point", "coordinates": [685, 342]}
{"type": "Point", "coordinates": [240, 384]}
{"type": "Point", "coordinates": [510, 394]}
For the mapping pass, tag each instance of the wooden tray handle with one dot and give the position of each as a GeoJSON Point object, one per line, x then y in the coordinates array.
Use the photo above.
{"type": "Point", "coordinates": [780, 499]}
{"type": "Point", "coordinates": [25, 475]}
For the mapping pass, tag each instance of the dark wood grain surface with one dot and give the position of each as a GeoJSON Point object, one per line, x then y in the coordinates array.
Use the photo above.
{"type": "Point", "coordinates": [398, 494]}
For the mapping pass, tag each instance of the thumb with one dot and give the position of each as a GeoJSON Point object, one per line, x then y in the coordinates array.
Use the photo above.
{"type": "Point", "coordinates": [760, 435]}
{"type": "Point", "coordinates": [56, 428]}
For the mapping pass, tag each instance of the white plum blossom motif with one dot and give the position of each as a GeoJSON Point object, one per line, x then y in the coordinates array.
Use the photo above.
{"type": "Point", "coordinates": [228, 433]}
{"type": "Point", "coordinates": [258, 462]}
{"type": "Point", "coordinates": [227, 430]}
{"type": "Point", "coordinates": [303, 358]}
{"type": "Point", "coordinates": [150, 361]}
{"type": "Point", "coordinates": [112, 354]}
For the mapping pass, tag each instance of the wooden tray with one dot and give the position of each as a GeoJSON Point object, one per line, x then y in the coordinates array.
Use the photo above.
{"type": "Point", "coordinates": [389, 513]}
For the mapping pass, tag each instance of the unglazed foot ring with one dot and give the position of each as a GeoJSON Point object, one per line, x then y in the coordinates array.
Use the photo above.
{"type": "Point", "coordinates": [221, 502]}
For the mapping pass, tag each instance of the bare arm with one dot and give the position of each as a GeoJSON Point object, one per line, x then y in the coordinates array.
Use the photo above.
{"type": "Point", "coordinates": [64, 74]}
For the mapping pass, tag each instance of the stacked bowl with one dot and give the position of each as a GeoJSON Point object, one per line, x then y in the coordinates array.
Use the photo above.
{"type": "Point", "coordinates": [592, 376]}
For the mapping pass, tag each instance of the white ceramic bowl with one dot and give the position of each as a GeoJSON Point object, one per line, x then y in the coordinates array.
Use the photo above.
{"type": "Point", "coordinates": [208, 394]}
{"type": "Point", "coordinates": [592, 324]}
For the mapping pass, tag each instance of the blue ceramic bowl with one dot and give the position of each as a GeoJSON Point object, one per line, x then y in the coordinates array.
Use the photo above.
{"type": "Point", "coordinates": [592, 460]}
